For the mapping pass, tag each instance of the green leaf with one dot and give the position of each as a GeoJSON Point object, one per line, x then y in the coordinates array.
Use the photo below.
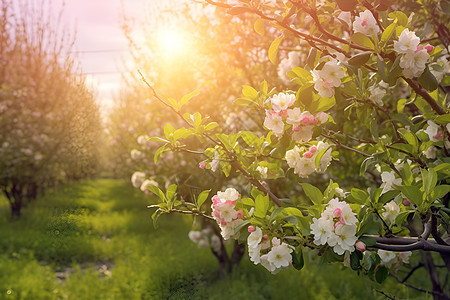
{"type": "Point", "coordinates": [240, 226]}
{"type": "Point", "coordinates": [401, 105]}
{"type": "Point", "coordinates": [360, 196]}
{"type": "Point", "coordinates": [359, 59]}
{"type": "Point", "coordinates": [442, 119]}
{"type": "Point", "coordinates": [158, 153]}
{"type": "Point", "coordinates": [319, 156]}
{"type": "Point", "coordinates": [248, 201]}
{"type": "Point", "coordinates": [168, 129]}
{"type": "Point", "coordinates": [297, 258]}
{"type": "Point", "coordinates": [259, 27]}
{"type": "Point", "coordinates": [273, 49]}
{"type": "Point", "coordinates": [202, 198]}
{"type": "Point", "coordinates": [362, 40]}
{"type": "Point", "coordinates": [156, 216]}
{"type": "Point", "coordinates": [410, 138]}
{"type": "Point", "coordinates": [355, 260]}
{"type": "Point", "coordinates": [261, 206]}
{"type": "Point", "coordinates": [401, 217]}
{"type": "Point", "coordinates": [388, 32]}
{"type": "Point", "coordinates": [382, 68]}
{"type": "Point", "coordinates": [381, 274]}
{"type": "Point", "coordinates": [313, 193]}
{"type": "Point", "coordinates": [440, 191]}
{"type": "Point", "coordinates": [400, 16]}
{"type": "Point", "coordinates": [429, 180]}
{"type": "Point", "coordinates": [211, 126]}
{"type": "Point", "coordinates": [293, 211]}
{"type": "Point", "coordinates": [171, 192]}
{"type": "Point", "coordinates": [155, 190]}
{"type": "Point", "coordinates": [368, 241]}
{"type": "Point", "coordinates": [275, 213]}
{"type": "Point", "coordinates": [188, 97]}
{"type": "Point", "coordinates": [412, 193]}
{"type": "Point", "coordinates": [428, 81]}
{"type": "Point", "coordinates": [250, 92]}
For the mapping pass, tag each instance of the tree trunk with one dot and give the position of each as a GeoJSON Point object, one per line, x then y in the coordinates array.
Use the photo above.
{"type": "Point", "coordinates": [438, 293]}
{"type": "Point", "coordinates": [15, 209]}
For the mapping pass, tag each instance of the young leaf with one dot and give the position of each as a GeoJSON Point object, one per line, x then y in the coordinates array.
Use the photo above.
{"type": "Point", "coordinates": [202, 198]}
{"type": "Point", "coordinates": [313, 193]}
{"type": "Point", "coordinates": [259, 27]}
{"type": "Point", "coordinates": [273, 49]}
{"type": "Point", "coordinates": [261, 206]}
{"type": "Point", "coordinates": [188, 97]}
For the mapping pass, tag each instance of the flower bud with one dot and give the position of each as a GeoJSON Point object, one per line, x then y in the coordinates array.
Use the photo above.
{"type": "Point", "coordinates": [297, 128]}
{"type": "Point", "coordinates": [313, 149]}
{"type": "Point", "coordinates": [265, 236]}
{"type": "Point", "coordinates": [240, 214]}
{"type": "Point", "coordinates": [307, 155]}
{"type": "Point", "coordinates": [406, 202]}
{"type": "Point", "coordinates": [202, 165]}
{"type": "Point", "coordinates": [429, 48]}
{"type": "Point", "coordinates": [251, 228]}
{"type": "Point", "coordinates": [360, 246]}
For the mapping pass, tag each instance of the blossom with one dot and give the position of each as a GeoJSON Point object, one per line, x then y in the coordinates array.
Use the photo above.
{"type": "Point", "coordinates": [413, 63]}
{"type": "Point", "coordinates": [407, 42]}
{"type": "Point", "coordinates": [215, 161]}
{"type": "Point", "coordinates": [391, 212]}
{"type": "Point", "coordinates": [224, 212]}
{"type": "Point", "coordinates": [430, 153]}
{"type": "Point", "coordinates": [360, 246]}
{"type": "Point", "coordinates": [434, 131]}
{"type": "Point", "coordinates": [388, 258]}
{"type": "Point", "coordinates": [286, 64]}
{"type": "Point", "coordinates": [303, 133]}
{"type": "Point", "coordinates": [329, 77]}
{"type": "Point", "coordinates": [376, 94]}
{"type": "Point", "coordinates": [136, 154]}
{"type": "Point", "coordinates": [263, 171]}
{"type": "Point", "coordinates": [345, 236]}
{"type": "Point", "coordinates": [321, 229]}
{"type": "Point", "coordinates": [137, 179]}
{"type": "Point", "coordinates": [195, 236]}
{"type": "Point", "coordinates": [254, 238]}
{"type": "Point", "coordinates": [282, 101]}
{"type": "Point", "coordinates": [280, 256]}
{"type": "Point", "coordinates": [389, 181]}
{"type": "Point", "coordinates": [326, 157]}
{"type": "Point", "coordinates": [366, 24]}
{"type": "Point", "coordinates": [274, 122]}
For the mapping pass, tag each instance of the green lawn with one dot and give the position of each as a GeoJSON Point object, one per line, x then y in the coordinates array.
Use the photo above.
{"type": "Point", "coordinates": [95, 240]}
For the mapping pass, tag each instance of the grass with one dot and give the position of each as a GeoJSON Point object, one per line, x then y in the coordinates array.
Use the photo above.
{"type": "Point", "coordinates": [95, 240]}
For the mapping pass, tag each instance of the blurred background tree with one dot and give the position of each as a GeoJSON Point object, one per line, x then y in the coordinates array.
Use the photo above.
{"type": "Point", "coordinates": [49, 121]}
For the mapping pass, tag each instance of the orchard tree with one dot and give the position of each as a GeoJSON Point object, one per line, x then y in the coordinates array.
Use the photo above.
{"type": "Point", "coordinates": [365, 111]}
{"type": "Point", "coordinates": [49, 120]}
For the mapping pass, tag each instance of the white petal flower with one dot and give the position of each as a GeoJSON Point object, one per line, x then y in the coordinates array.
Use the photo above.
{"type": "Point", "coordinates": [280, 256]}
{"type": "Point", "coordinates": [195, 236]}
{"type": "Point", "coordinates": [366, 24]}
{"type": "Point", "coordinates": [274, 122]}
{"type": "Point", "coordinates": [407, 41]}
{"type": "Point", "coordinates": [254, 238]}
{"type": "Point", "coordinates": [137, 179]}
{"type": "Point", "coordinates": [413, 63]}
{"type": "Point", "coordinates": [388, 258]}
{"type": "Point", "coordinates": [376, 94]}
{"type": "Point", "coordinates": [434, 131]}
{"type": "Point", "coordinates": [389, 181]}
{"type": "Point", "coordinates": [391, 212]}
{"type": "Point", "coordinates": [282, 101]}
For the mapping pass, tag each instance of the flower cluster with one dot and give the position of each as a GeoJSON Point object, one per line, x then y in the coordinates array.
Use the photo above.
{"type": "Point", "coordinates": [327, 78]}
{"type": "Point", "coordinates": [286, 64]}
{"type": "Point", "coordinates": [302, 160]}
{"type": "Point", "coordinates": [276, 255]}
{"type": "Point", "coordinates": [223, 211]}
{"type": "Point", "coordinates": [138, 181]}
{"type": "Point", "coordinates": [282, 115]}
{"type": "Point", "coordinates": [390, 258]}
{"type": "Point", "coordinates": [205, 238]}
{"type": "Point", "coordinates": [336, 227]}
{"type": "Point", "coordinates": [414, 55]}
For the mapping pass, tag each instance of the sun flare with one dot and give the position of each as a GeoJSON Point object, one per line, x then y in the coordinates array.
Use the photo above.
{"type": "Point", "coordinates": [172, 43]}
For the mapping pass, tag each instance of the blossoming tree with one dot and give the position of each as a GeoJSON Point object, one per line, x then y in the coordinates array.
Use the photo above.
{"type": "Point", "coordinates": [48, 119]}
{"type": "Point", "coordinates": [361, 124]}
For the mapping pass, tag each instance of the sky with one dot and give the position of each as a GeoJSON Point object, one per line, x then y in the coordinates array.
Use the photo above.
{"type": "Point", "coordinates": [100, 42]}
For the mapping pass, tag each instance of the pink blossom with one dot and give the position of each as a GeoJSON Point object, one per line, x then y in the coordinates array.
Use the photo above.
{"type": "Point", "coordinates": [313, 149]}
{"type": "Point", "coordinates": [251, 229]}
{"type": "Point", "coordinates": [360, 246]}
{"type": "Point", "coordinates": [308, 154]}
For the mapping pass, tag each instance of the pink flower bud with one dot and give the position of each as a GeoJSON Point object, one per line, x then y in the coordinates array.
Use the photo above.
{"type": "Point", "coordinates": [314, 121]}
{"type": "Point", "coordinates": [307, 154]}
{"type": "Point", "coordinates": [202, 165]}
{"type": "Point", "coordinates": [313, 149]}
{"type": "Point", "coordinates": [306, 120]}
{"type": "Point", "coordinates": [360, 246]}
{"type": "Point", "coordinates": [283, 113]}
{"type": "Point", "coordinates": [297, 128]}
{"type": "Point", "coordinates": [265, 236]}
{"type": "Point", "coordinates": [406, 202]}
{"type": "Point", "coordinates": [337, 224]}
{"type": "Point", "coordinates": [342, 220]}
{"type": "Point", "coordinates": [251, 228]}
{"type": "Point", "coordinates": [337, 212]}
{"type": "Point", "coordinates": [264, 183]}
{"type": "Point", "coordinates": [429, 48]}
{"type": "Point", "coordinates": [240, 214]}
{"type": "Point", "coordinates": [419, 48]}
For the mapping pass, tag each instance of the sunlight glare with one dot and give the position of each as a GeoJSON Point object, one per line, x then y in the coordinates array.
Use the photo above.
{"type": "Point", "coordinates": [172, 43]}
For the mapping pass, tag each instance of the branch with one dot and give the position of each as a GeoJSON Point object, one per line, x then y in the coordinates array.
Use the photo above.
{"type": "Point", "coordinates": [191, 212]}
{"type": "Point", "coordinates": [422, 92]}
{"type": "Point", "coordinates": [416, 288]}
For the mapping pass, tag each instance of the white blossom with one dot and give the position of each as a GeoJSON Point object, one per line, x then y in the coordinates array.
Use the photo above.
{"type": "Point", "coordinates": [407, 42]}
{"type": "Point", "coordinates": [366, 24]}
